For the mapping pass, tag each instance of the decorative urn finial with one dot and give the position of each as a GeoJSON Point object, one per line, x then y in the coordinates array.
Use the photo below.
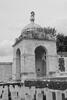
{"type": "Point", "coordinates": [32, 18]}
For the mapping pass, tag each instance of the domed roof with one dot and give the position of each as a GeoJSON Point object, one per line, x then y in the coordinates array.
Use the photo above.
{"type": "Point", "coordinates": [33, 31]}
{"type": "Point", "coordinates": [32, 25]}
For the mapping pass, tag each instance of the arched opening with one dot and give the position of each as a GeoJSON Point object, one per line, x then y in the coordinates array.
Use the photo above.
{"type": "Point", "coordinates": [40, 61]}
{"type": "Point", "coordinates": [18, 64]}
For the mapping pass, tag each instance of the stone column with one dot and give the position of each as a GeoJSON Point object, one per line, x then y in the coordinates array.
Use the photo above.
{"type": "Point", "coordinates": [52, 60]}
{"type": "Point", "coordinates": [14, 69]}
{"type": "Point", "coordinates": [18, 68]}
{"type": "Point", "coordinates": [22, 64]}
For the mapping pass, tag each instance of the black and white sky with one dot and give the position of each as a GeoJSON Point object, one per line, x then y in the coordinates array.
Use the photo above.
{"type": "Point", "coordinates": [15, 14]}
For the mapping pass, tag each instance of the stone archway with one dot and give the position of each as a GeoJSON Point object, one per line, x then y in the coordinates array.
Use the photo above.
{"type": "Point", "coordinates": [40, 61]}
{"type": "Point", "coordinates": [18, 64]}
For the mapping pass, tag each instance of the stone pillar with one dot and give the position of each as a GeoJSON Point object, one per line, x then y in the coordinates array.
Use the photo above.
{"type": "Point", "coordinates": [14, 69]}
{"type": "Point", "coordinates": [53, 63]}
{"type": "Point", "coordinates": [22, 64]}
{"type": "Point", "coordinates": [18, 68]}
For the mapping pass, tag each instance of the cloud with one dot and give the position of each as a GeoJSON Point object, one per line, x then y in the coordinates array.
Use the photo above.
{"type": "Point", "coordinates": [6, 48]}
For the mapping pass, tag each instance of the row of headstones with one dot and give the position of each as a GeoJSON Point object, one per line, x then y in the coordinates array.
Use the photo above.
{"type": "Point", "coordinates": [25, 93]}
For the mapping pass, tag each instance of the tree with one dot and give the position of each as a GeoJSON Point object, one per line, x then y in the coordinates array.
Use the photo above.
{"type": "Point", "coordinates": [60, 42]}
{"type": "Point", "coordinates": [50, 30]}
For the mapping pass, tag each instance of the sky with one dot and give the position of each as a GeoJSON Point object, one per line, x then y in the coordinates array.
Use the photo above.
{"type": "Point", "coordinates": [15, 14]}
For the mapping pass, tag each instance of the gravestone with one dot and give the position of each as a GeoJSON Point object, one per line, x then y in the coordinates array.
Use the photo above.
{"type": "Point", "coordinates": [39, 96]}
{"type": "Point", "coordinates": [48, 95]}
{"type": "Point", "coordinates": [28, 97]}
{"type": "Point", "coordinates": [58, 95]}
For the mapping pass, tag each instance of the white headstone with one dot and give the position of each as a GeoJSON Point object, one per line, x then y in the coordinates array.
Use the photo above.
{"type": "Point", "coordinates": [5, 95]}
{"type": "Point", "coordinates": [27, 90]}
{"type": "Point", "coordinates": [14, 94]}
{"type": "Point", "coordinates": [32, 92]}
{"type": "Point", "coordinates": [28, 97]}
{"type": "Point", "coordinates": [48, 95]}
{"type": "Point", "coordinates": [1, 90]}
{"type": "Point", "coordinates": [38, 91]}
{"type": "Point", "coordinates": [39, 96]}
{"type": "Point", "coordinates": [22, 92]}
{"type": "Point", "coordinates": [65, 92]}
{"type": "Point", "coordinates": [17, 88]}
{"type": "Point", "coordinates": [58, 95]}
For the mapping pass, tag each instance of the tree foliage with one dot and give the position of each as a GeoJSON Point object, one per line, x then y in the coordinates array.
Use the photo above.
{"type": "Point", "coordinates": [50, 30]}
{"type": "Point", "coordinates": [61, 43]}
{"type": "Point", "coordinates": [61, 40]}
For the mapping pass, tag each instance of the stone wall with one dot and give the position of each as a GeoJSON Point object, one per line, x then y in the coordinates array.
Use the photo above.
{"type": "Point", "coordinates": [5, 71]}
